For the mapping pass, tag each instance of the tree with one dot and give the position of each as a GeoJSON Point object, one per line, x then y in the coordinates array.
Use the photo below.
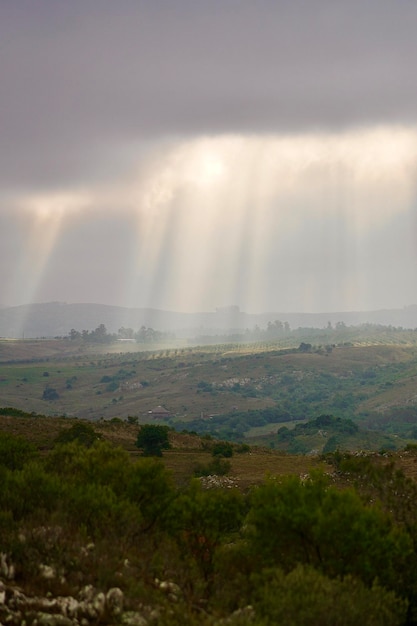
{"type": "Point", "coordinates": [126, 333]}
{"type": "Point", "coordinates": [50, 394]}
{"type": "Point", "coordinates": [15, 452]}
{"type": "Point", "coordinates": [310, 522]}
{"type": "Point", "coordinates": [202, 521]}
{"type": "Point", "coordinates": [84, 434]}
{"type": "Point", "coordinates": [305, 596]}
{"type": "Point", "coordinates": [222, 448]}
{"type": "Point", "coordinates": [100, 335]}
{"type": "Point", "coordinates": [74, 335]}
{"type": "Point", "coordinates": [152, 439]}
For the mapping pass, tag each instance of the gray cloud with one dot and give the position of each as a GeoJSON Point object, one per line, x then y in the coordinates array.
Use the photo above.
{"type": "Point", "coordinates": [110, 100]}
{"type": "Point", "coordinates": [76, 76]}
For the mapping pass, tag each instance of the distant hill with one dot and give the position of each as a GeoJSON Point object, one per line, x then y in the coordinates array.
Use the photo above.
{"type": "Point", "coordinates": [56, 319]}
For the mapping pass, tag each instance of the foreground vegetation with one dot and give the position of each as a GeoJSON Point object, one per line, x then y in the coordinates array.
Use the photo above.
{"type": "Point", "coordinates": [187, 529]}
{"type": "Point", "coordinates": [336, 545]}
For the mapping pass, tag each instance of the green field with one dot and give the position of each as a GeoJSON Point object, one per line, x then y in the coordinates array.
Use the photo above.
{"type": "Point", "coordinates": [232, 391]}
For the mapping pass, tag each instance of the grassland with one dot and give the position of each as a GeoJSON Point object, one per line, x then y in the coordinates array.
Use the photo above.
{"type": "Point", "coordinates": [189, 451]}
{"type": "Point", "coordinates": [370, 379]}
{"type": "Point", "coordinates": [186, 453]}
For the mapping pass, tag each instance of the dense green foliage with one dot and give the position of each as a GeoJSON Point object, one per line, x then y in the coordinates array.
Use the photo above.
{"type": "Point", "coordinates": [12, 412]}
{"type": "Point", "coordinates": [15, 452]}
{"type": "Point", "coordinates": [299, 551]}
{"type": "Point", "coordinates": [82, 432]}
{"type": "Point", "coordinates": [307, 597]}
{"type": "Point", "coordinates": [327, 528]}
{"type": "Point", "coordinates": [152, 439]}
{"type": "Point", "coordinates": [222, 448]}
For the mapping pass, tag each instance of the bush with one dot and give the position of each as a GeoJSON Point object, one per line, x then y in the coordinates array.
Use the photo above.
{"type": "Point", "coordinates": [304, 597]}
{"type": "Point", "coordinates": [203, 520]}
{"type": "Point", "coordinates": [222, 448]}
{"type": "Point", "coordinates": [15, 452]}
{"type": "Point", "coordinates": [217, 467]}
{"type": "Point", "coordinates": [310, 522]}
{"type": "Point", "coordinates": [82, 433]}
{"type": "Point", "coordinates": [152, 439]}
{"type": "Point", "coordinates": [50, 394]}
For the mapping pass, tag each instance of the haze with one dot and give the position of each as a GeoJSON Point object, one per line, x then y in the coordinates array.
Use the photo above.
{"type": "Point", "coordinates": [189, 155]}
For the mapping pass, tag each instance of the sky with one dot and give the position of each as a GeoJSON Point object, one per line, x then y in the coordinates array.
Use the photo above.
{"type": "Point", "coordinates": [194, 154]}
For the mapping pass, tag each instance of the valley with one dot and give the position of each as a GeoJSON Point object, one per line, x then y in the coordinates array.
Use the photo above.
{"type": "Point", "coordinates": [260, 392]}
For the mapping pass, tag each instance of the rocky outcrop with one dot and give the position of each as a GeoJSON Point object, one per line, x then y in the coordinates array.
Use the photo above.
{"type": "Point", "coordinates": [213, 482]}
{"type": "Point", "coordinates": [90, 607]}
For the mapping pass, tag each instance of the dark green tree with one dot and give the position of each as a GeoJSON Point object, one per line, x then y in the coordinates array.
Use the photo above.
{"type": "Point", "coordinates": [80, 432]}
{"type": "Point", "coordinates": [152, 439]}
{"type": "Point", "coordinates": [222, 448]}
{"type": "Point", "coordinates": [49, 393]}
{"type": "Point", "coordinates": [313, 523]}
{"type": "Point", "coordinates": [15, 452]}
{"type": "Point", "coordinates": [202, 521]}
{"type": "Point", "coordinates": [305, 596]}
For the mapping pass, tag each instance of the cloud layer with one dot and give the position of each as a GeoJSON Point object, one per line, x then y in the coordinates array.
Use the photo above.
{"type": "Point", "coordinates": [188, 155]}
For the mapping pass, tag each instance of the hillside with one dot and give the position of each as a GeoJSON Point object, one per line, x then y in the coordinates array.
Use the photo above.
{"type": "Point", "coordinates": [187, 451]}
{"type": "Point", "coordinates": [232, 391]}
{"type": "Point", "coordinates": [95, 533]}
{"type": "Point", "coordinates": [55, 319]}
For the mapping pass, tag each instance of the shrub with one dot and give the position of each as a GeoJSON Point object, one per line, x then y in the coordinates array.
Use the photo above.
{"type": "Point", "coordinates": [152, 439]}
{"type": "Point", "coordinates": [310, 522]}
{"type": "Point", "coordinates": [203, 520]}
{"type": "Point", "coordinates": [222, 448]}
{"type": "Point", "coordinates": [15, 452]}
{"type": "Point", "coordinates": [50, 394]}
{"type": "Point", "coordinates": [80, 432]}
{"type": "Point", "coordinates": [217, 467]}
{"type": "Point", "coordinates": [304, 596]}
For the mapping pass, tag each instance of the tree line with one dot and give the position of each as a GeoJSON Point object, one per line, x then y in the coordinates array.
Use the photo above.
{"type": "Point", "coordinates": [102, 336]}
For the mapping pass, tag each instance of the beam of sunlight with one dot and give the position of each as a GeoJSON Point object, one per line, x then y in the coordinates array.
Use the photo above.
{"type": "Point", "coordinates": [272, 222]}
{"type": "Point", "coordinates": [43, 217]}
{"type": "Point", "coordinates": [263, 220]}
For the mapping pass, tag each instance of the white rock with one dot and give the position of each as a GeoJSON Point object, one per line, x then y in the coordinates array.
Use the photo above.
{"type": "Point", "coordinates": [131, 618]}
{"type": "Point", "coordinates": [115, 600]}
{"type": "Point", "coordinates": [99, 604]}
{"type": "Point", "coordinates": [53, 620]}
{"type": "Point", "coordinates": [47, 571]}
{"type": "Point", "coordinates": [2, 593]}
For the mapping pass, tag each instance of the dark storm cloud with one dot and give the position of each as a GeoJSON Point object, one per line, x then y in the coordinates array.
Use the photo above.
{"type": "Point", "coordinates": [80, 81]}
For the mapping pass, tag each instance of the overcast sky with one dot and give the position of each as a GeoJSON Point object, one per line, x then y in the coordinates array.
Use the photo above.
{"type": "Point", "coordinates": [193, 154]}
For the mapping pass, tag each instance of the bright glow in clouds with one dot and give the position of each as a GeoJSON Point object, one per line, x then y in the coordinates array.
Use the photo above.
{"type": "Point", "coordinates": [43, 217]}
{"type": "Point", "coordinates": [306, 222]}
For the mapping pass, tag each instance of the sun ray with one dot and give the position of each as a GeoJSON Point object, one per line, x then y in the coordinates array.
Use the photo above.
{"type": "Point", "coordinates": [44, 218]}
{"type": "Point", "coordinates": [260, 221]}
{"type": "Point", "coordinates": [224, 220]}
